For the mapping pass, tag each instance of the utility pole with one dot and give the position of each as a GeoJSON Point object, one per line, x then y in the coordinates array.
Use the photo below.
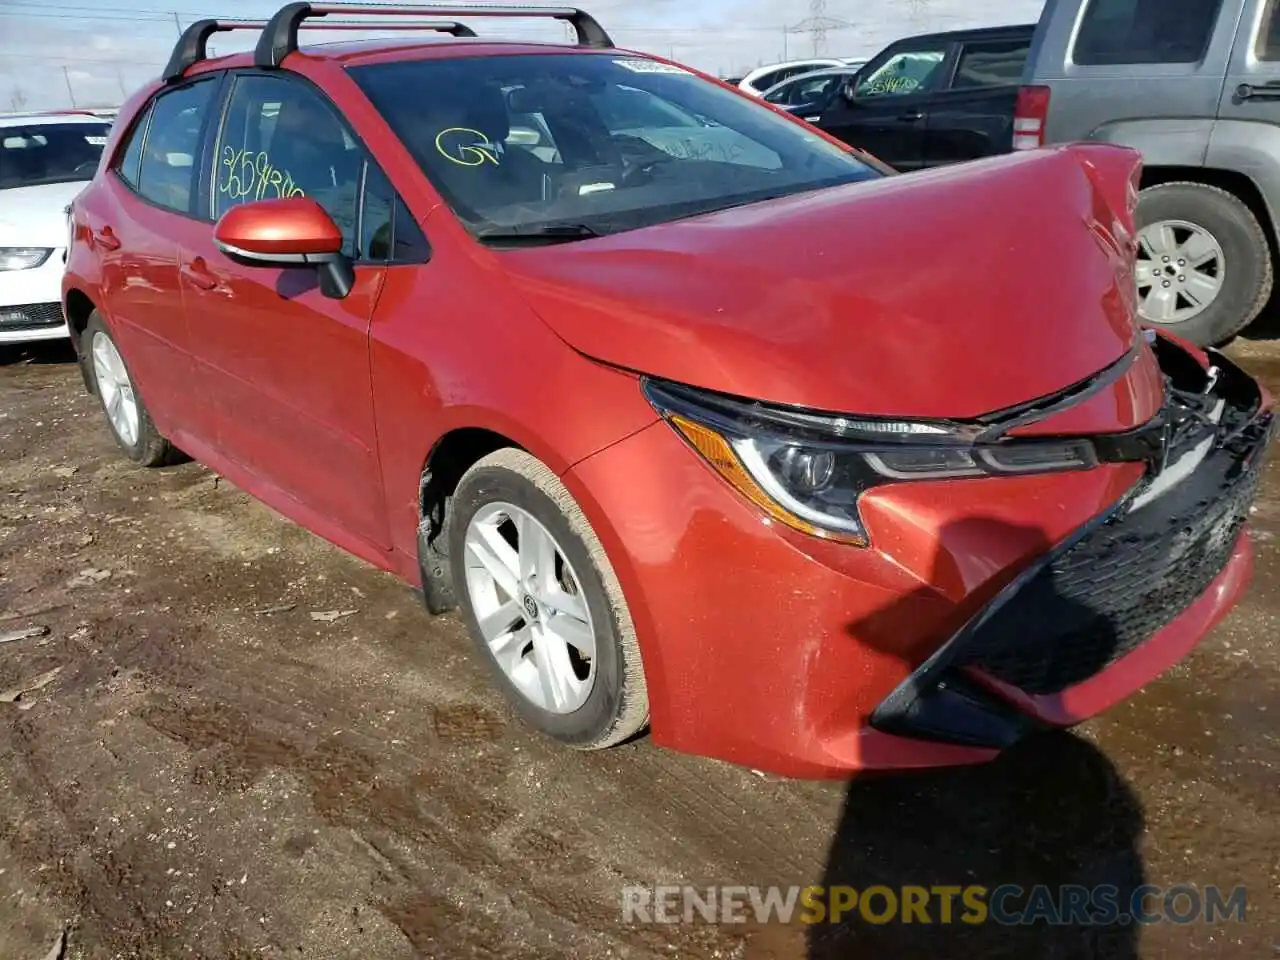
{"type": "Point", "coordinates": [177, 22]}
{"type": "Point", "coordinates": [124, 94]}
{"type": "Point", "coordinates": [817, 25]}
{"type": "Point", "coordinates": [786, 43]}
{"type": "Point", "coordinates": [817, 16]}
{"type": "Point", "coordinates": [66, 75]}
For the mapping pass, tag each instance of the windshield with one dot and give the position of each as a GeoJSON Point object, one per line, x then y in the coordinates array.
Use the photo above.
{"type": "Point", "coordinates": [50, 153]}
{"type": "Point", "coordinates": [599, 143]}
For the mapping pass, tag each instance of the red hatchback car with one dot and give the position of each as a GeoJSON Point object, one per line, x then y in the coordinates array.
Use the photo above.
{"type": "Point", "coordinates": [703, 420]}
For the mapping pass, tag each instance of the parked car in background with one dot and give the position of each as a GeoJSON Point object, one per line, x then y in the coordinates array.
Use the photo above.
{"type": "Point", "coordinates": [682, 434]}
{"type": "Point", "coordinates": [809, 94]}
{"type": "Point", "coordinates": [45, 160]}
{"type": "Point", "coordinates": [1195, 86]}
{"type": "Point", "coordinates": [933, 99]}
{"type": "Point", "coordinates": [762, 78]}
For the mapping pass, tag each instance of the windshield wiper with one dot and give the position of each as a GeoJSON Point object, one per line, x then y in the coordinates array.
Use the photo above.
{"type": "Point", "coordinates": [549, 233]}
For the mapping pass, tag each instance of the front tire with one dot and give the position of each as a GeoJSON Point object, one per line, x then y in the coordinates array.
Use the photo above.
{"type": "Point", "coordinates": [1204, 265]}
{"type": "Point", "coordinates": [543, 604]}
{"type": "Point", "coordinates": [126, 414]}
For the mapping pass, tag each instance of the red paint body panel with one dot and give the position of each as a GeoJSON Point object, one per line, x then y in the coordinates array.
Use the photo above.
{"type": "Point", "coordinates": [778, 658]}
{"type": "Point", "coordinates": [837, 324]}
{"type": "Point", "coordinates": [287, 370]}
{"type": "Point", "coordinates": [1132, 400]}
{"type": "Point", "coordinates": [908, 297]}
{"type": "Point", "coordinates": [454, 347]}
{"type": "Point", "coordinates": [138, 289]}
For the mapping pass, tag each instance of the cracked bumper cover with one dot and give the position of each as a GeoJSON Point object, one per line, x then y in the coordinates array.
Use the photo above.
{"type": "Point", "coordinates": [1118, 601]}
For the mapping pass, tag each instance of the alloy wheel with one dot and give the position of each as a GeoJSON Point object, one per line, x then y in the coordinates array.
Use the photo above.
{"type": "Point", "coordinates": [115, 388]}
{"type": "Point", "coordinates": [1180, 271]}
{"type": "Point", "coordinates": [530, 607]}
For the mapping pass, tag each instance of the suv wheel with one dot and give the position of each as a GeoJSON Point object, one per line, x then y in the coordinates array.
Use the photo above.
{"type": "Point", "coordinates": [1204, 266]}
{"type": "Point", "coordinates": [543, 603]}
{"type": "Point", "coordinates": [126, 413]}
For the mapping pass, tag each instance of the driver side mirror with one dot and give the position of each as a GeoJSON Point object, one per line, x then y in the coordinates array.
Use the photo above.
{"type": "Point", "coordinates": [287, 233]}
{"type": "Point", "coordinates": [849, 89]}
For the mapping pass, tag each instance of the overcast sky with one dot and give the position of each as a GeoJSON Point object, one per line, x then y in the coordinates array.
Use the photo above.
{"type": "Point", "coordinates": [100, 48]}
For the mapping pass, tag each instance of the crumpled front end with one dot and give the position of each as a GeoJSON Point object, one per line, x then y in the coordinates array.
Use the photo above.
{"type": "Point", "coordinates": [949, 615]}
{"type": "Point", "coordinates": [1125, 596]}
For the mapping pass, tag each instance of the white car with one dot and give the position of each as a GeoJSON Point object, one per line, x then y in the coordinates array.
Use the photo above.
{"type": "Point", "coordinates": [45, 160]}
{"type": "Point", "coordinates": [762, 78]}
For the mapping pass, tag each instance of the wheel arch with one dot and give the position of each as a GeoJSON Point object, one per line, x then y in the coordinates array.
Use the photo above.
{"type": "Point", "coordinates": [79, 307]}
{"type": "Point", "coordinates": [449, 458]}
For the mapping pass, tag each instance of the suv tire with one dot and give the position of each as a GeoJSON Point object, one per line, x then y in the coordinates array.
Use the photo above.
{"type": "Point", "coordinates": [113, 384]}
{"type": "Point", "coordinates": [512, 487]}
{"type": "Point", "coordinates": [1247, 268]}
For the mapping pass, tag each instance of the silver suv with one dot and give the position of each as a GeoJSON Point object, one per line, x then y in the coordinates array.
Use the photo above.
{"type": "Point", "coordinates": [1195, 86]}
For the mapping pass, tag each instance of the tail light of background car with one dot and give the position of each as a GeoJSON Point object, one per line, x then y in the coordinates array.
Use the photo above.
{"type": "Point", "coordinates": [1029, 118]}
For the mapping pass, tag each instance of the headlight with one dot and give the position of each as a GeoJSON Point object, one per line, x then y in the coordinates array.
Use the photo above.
{"type": "Point", "coordinates": [808, 470]}
{"type": "Point", "coordinates": [23, 258]}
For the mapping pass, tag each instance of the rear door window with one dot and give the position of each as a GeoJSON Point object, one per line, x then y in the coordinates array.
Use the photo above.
{"type": "Point", "coordinates": [1145, 31]}
{"type": "Point", "coordinates": [129, 160]}
{"type": "Point", "coordinates": [991, 63]}
{"type": "Point", "coordinates": [167, 172]}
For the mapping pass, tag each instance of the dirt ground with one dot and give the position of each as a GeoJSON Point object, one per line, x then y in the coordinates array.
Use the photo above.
{"type": "Point", "coordinates": [192, 766]}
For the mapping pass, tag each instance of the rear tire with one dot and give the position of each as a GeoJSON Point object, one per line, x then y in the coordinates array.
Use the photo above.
{"type": "Point", "coordinates": [127, 416]}
{"type": "Point", "coordinates": [592, 702]}
{"type": "Point", "coordinates": [1245, 273]}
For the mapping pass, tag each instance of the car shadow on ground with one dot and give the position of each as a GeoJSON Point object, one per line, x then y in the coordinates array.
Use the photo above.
{"type": "Point", "coordinates": [1052, 811]}
{"type": "Point", "coordinates": [41, 351]}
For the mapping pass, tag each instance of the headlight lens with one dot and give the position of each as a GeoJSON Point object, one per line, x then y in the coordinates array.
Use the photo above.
{"type": "Point", "coordinates": [23, 258]}
{"type": "Point", "coordinates": [808, 470]}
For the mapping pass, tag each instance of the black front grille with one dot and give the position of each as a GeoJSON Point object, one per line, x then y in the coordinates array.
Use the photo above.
{"type": "Point", "coordinates": [31, 316]}
{"type": "Point", "coordinates": [1125, 580]}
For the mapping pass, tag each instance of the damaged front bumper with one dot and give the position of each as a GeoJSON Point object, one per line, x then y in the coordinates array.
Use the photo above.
{"type": "Point", "coordinates": [1085, 612]}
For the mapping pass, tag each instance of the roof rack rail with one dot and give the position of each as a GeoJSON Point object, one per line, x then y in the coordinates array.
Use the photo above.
{"type": "Point", "coordinates": [193, 45]}
{"type": "Point", "coordinates": [280, 36]}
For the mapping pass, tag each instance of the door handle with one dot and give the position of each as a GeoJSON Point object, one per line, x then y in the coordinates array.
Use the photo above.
{"type": "Point", "coordinates": [911, 116]}
{"type": "Point", "coordinates": [198, 275]}
{"type": "Point", "coordinates": [1265, 91]}
{"type": "Point", "coordinates": [104, 238]}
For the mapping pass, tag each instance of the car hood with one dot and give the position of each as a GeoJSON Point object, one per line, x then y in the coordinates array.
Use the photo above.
{"type": "Point", "coordinates": [949, 293]}
{"type": "Point", "coordinates": [35, 216]}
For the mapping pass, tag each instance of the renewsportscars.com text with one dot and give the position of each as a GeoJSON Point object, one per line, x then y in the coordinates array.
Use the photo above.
{"type": "Point", "coordinates": [1008, 904]}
